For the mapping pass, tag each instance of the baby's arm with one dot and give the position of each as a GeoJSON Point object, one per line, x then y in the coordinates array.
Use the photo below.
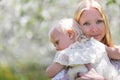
{"type": "Point", "coordinates": [53, 69]}
{"type": "Point", "coordinates": [113, 52]}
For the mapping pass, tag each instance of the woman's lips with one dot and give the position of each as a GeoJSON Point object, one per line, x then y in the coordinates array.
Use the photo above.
{"type": "Point", "coordinates": [95, 36]}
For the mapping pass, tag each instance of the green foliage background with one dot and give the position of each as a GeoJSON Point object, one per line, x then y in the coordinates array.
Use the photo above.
{"type": "Point", "coordinates": [25, 50]}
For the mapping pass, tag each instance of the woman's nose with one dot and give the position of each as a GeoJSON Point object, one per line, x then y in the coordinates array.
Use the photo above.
{"type": "Point", "coordinates": [93, 28]}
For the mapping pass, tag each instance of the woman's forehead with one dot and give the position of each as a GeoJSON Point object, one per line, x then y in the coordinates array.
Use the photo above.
{"type": "Point", "coordinates": [91, 13]}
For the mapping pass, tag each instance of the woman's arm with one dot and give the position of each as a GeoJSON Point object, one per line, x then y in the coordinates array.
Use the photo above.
{"type": "Point", "coordinates": [113, 52]}
{"type": "Point", "coordinates": [53, 69]}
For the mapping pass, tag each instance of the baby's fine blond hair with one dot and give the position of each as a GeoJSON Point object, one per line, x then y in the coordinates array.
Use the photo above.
{"type": "Point", "coordinates": [67, 24]}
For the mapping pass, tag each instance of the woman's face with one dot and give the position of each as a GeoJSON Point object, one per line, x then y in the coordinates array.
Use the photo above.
{"type": "Point", "coordinates": [92, 24]}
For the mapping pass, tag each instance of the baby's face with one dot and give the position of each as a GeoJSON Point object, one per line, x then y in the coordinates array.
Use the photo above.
{"type": "Point", "coordinates": [60, 40]}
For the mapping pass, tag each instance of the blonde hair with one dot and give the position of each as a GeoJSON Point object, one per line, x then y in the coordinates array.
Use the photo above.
{"type": "Point", "coordinates": [68, 24]}
{"type": "Point", "coordinates": [107, 40]}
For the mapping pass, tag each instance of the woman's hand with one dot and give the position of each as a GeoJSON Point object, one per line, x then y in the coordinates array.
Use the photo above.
{"type": "Point", "coordinates": [91, 75]}
{"type": "Point", "coordinates": [113, 52]}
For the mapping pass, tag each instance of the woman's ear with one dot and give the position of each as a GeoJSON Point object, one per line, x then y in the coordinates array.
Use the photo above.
{"type": "Point", "coordinates": [71, 34]}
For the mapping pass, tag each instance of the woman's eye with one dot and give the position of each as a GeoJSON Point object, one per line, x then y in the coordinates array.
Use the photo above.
{"type": "Point", "coordinates": [86, 24]}
{"type": "Point", "coordinates": [99, 21]}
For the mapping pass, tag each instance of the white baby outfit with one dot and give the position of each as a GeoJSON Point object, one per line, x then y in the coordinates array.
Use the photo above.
{"type": "Point", "coordinates": [80, 53]}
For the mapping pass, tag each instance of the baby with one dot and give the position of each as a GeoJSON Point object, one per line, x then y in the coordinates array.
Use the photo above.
{"type": "Point", "coordinates": [74, 50]}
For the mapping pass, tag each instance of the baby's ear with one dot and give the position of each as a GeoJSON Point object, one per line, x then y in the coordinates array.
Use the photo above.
{"type": "Point", "coordinates": [71, 34]}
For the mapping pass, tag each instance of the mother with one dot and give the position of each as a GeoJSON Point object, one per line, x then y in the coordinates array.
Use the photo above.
{"type": "Point", "coordinates": [90, 16]}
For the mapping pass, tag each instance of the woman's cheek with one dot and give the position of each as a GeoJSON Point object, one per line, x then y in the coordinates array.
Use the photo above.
{"type": "Point", "coordinates": [86, 32]}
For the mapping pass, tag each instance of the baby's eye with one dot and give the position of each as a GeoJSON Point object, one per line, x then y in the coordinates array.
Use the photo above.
{"type": "Point", "coordinates": [57, 42]}
{"type": "Point", "coordinates": [99, 21]}
{"type": "Point", "coordinates": [86, 24]}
